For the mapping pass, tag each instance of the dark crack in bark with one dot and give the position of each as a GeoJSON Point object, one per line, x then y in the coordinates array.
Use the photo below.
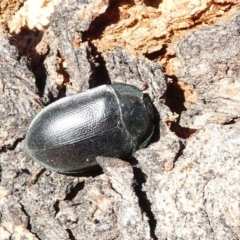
{"type": "Point", "coordinates": [144, 203]}
{"type": "Point", "coordinates": [74, 191]}
{"type": "Point", "coordinates": [6, 148]}
{"type": "Point", "coordinates": [70, 234]}
{"type": "Point", "coordinates": [29, 227]}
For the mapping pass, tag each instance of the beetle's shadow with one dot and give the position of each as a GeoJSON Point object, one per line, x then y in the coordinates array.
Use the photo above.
{"type": "Point", "coordinates": [98, 170]}
{"type": "Point", "coordinates": [90, 173]}
{"type": "Point", "coordinates": [156, 123]}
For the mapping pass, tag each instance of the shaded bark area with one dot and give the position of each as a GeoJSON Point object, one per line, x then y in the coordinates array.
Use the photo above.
{"type": "Point", "coordinates": [182, 186]}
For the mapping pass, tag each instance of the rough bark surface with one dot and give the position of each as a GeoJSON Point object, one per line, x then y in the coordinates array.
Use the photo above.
{"type": "Point", "coordinates": [212, 69]}
{"type": "Point", "coordinates": [184, 185]}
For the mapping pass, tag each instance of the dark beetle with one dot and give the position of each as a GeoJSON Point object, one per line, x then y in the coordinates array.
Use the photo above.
{"type": "Point", "coordinates": [109, 121]}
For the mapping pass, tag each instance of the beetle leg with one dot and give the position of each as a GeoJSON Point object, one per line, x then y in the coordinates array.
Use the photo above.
{"type": "Point", "coordinates": [36, 175]}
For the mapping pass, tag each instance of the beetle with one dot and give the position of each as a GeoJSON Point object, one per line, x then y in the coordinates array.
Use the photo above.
{"type": "Point", "coordinates": [108, 121]}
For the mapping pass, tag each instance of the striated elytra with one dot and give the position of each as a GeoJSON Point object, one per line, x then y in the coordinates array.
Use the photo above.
{"type": "Point", "coordinates": [109, 121]}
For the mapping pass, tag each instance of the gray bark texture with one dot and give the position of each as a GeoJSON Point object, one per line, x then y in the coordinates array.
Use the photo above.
{"type": "Point", "coordinates": [183, 185]}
